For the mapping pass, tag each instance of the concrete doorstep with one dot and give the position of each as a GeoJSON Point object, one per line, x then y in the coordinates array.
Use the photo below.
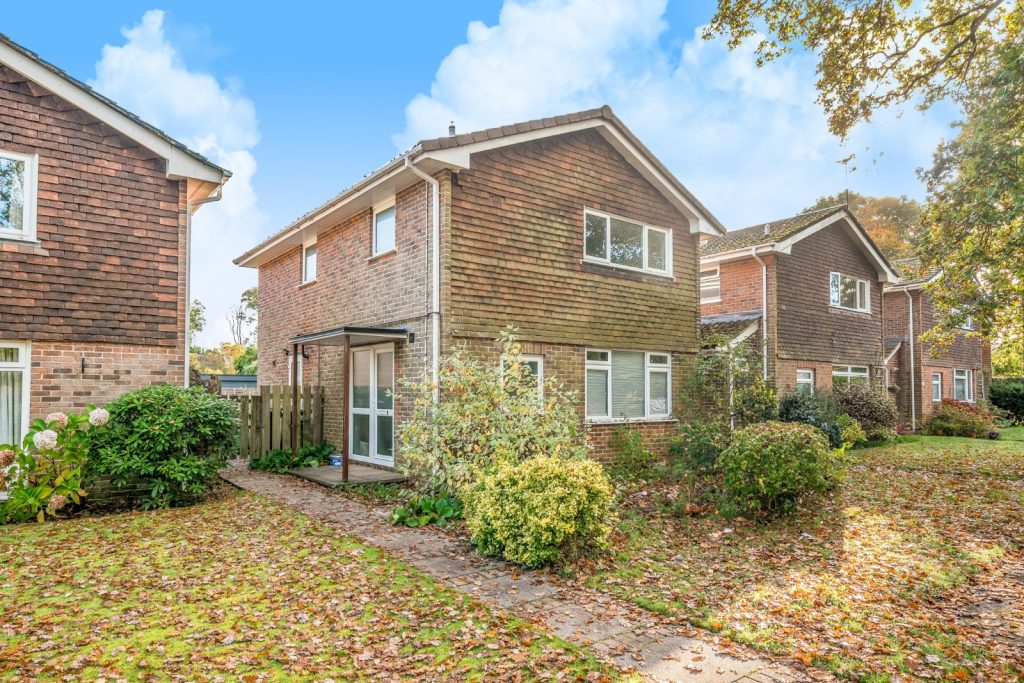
{"type": "Point", "coordinates": [620, 632]}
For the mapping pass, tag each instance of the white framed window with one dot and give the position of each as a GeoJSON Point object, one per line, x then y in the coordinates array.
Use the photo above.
{"type": "Point", "coordinates": [15, 379]}
{"type": "Point", "coordinates": [534, 366]}
{"type": "Point", "coordinates": [710, 285]}
{"type": "Point", "coordinates": [18, 191]}
{"type": "Point", "coordinates": [936, 386]}
{"type": "Point", "coordinates": [805, 381]}
{"type": "Point", "coordinates": [963, 385]}
{"type": "Point", "coordinates": [384, 227]}
{"type": "Point", "coordinates": [849, 293]}
{"type": "Point", "coordinates": [624, 385]}
{"type": "Point", "coordinates": [849, 374]}
{"type": "Point", "coordinates": [309, 261]}
{"type": "Point", "coordinates": [967, 324]}
{"type": "Point", "coordinates": [626, 243]}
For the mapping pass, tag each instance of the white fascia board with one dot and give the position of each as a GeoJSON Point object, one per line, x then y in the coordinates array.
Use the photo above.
{"type": "Point", "coordinates": [888, 274]}
{"type": "Point", "coordinates": [179, 164]}
{"type": "Point", "coordinates": [893, 352]}
{"type": "Point", "coordinates": [745, 334]}
{"type": "Point", "coordinates": [739, 254]}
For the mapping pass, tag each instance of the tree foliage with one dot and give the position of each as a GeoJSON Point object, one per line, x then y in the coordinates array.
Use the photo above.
{"type": "Point", "coordinates": [196, 316]}
{"type": "Point", "coordinates": [892, 222]}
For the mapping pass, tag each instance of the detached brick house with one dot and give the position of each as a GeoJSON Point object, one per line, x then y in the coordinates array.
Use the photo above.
{"type": "Point", "coordinates": [962, 372]}
{"type": "Point", "coordinates": [566, 227]}
{"type": "Point", "coordinates": [806, 292]}
{"type": "Point", "coordinates": [95, 210]}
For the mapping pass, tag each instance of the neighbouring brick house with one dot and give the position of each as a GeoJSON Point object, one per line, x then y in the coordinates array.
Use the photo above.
{"type": "Point", "coordinates": [806, 291]}
{"type": "Point", "coordinates": [567, 228]}
{"type": "Point", "coordinates": [962, 372]}
{"type": "Point", "coordinates": [95, 210]}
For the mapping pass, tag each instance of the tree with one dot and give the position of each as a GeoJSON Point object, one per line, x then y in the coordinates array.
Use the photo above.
{"type": "Point", "coordinates": [242, 317]}
{"type": "Point", "coordinates": [219, 360]}
{"type": "Point", "coordinates": [196, 317]}
{"type": "Point", "coordinates": [1008, 357]}
{"type": "Point", "coordinates": [891, 221]}
{"type": "Point", "coordinates": [246, 363]}
{"type": "Point", "coordinates": [879, 53]}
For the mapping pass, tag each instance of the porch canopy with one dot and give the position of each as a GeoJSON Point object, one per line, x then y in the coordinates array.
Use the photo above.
{"type": "Point", "coordinates": [345, 337]}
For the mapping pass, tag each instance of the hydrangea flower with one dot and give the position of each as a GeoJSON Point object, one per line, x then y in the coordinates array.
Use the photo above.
{"type": "Point", "coordinates": [60, 418]}
{"type": "Point", "coordinates": [98, 417]}
{"type": "Point", "coordinates": [7, 457]}
{"type": "Point", "coordinates": [45, 440]}
{"type": "Point", "coordinates": [57, 502]}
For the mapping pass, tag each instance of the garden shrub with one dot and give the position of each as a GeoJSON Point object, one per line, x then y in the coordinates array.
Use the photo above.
{"type": "Point", "coordinates": [768, 466]}
{"type": "Point", "coordinates": [698, 444]}
{"type": "Point", "coordinates": [876, 411]}
{"type": "Point", "coordinates": [818, 410]}
{"type": "Point", "coordinates": [487, 412]}
{"type": "Point", "coordinates": [424, 510]}
{"type": "Point", "coordinates": [755, 402]}
{"type": "Point", "coordinates": [542, 510]}
{"type": "Point", "coordinates": [956, 418]}
{"type": "Point", "coordinates": [169, 440]}
{"type": "Point", "coordinates": [43, 476]}
{"type": "Point", "coordinates": [281, 460]}
{"type": "Point", "coordinates": [633, 458]}
{"type": "Point", "coordinates": [851, 432]}
{"type": "Point", "coordinates": [1008, 394]}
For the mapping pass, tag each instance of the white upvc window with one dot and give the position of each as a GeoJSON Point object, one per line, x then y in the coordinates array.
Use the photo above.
{"type": "Point", "coordinates": [625, 243]}
{"type": "Point", "coordinates": [936, 386]}
{"type": "Point", "coordinates": [535, 368]}
{"type": "Point", "coordinates": [849, 293]}
{"type": "Point", "coordinates": [710, 285]}
{"type": "Point", "coordinates": [15, 379]}
{"type": "Point", "coordinates": [849, 374]}
{"type": "Point", "coordinates": [309, 261]}
{"type": "Point", "coordinates": [963, 385]}
{"type": "Point", "coordinates": [628, 385]}
{"type": "Point", "coordinates": [805, 381]}
{"type": "Point", "coordinates": [18, 191]}
{"type": "Point", "coordinates": [968, 322]}
{"type": "Point", "coordinates": [384, 226]}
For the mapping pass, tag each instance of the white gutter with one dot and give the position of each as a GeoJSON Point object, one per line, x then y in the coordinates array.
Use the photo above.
{"type": "Point", "coordinates": [913, 382]}
{"type": "Point", "coordinates": [764, 312]}
{"type": "Point", "coordinates": [190, 207]}
{"type": "Point", "coordinates": [435, 272]}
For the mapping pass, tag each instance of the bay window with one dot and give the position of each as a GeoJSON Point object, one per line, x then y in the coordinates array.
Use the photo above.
{"type": "Point", "coordinates": [14, 391]}
{"type": "Point", "coordinates": [849, 293]}
{"type": "Point", "coordinates": [626, 244]}
{"type": "Point", "coordinates": [628, 385]}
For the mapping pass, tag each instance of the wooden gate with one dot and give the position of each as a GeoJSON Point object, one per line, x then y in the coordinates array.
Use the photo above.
{"type": "Point", "coordinates": [266, 420]}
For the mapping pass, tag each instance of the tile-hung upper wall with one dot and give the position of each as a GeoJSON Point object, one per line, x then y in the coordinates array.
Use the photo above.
{"type": "Point", "coordinates": [808, 327]}
{"type": "Point", "coordinates": [110, 230]}
{"type": "Point", "coordinates": [517, 254]}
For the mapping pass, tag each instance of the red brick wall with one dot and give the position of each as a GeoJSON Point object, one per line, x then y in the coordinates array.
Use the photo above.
{"type": "Point", "coordinates": [741, 288]}
{"type": "Point", "coordinates": [59, 382]}
{"type": "Point", "coordinates": [108, 266]}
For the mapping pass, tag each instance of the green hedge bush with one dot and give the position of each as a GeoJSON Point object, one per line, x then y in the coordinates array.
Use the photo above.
{"type": "Point", "coordinates": [281, 460]}
{"type": "Point", "coordinates": [1008, 394]}
{"type": "Point", "coordinates": [956, 418]}
{"type": "Point", "coordinates": [818, 410]}
{"type": "Point", "coordinates": [697, 445]}
{"type": "Point", "coordinates": [170, 440]}
{"type": "Point", "coordinates": [876, 411]}
{"type": "Point", "coordinates": [542, 510]}
{"type": "Point", "coordinates": [768, 466]}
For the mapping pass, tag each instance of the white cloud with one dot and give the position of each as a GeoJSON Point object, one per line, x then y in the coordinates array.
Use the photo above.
{"type": "Point", "coordinates": [750, 142]}
{"type": "Point", "coordinates": [147, 76]}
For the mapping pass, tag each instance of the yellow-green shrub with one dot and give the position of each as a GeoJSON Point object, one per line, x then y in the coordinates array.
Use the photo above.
{"type": "Point", "coordinates": [540, 510]}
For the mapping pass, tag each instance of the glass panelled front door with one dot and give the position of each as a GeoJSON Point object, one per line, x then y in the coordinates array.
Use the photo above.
{"type": "Point", "coordinates": [372, 414]}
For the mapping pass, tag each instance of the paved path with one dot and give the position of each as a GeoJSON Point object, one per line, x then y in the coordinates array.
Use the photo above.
{"type": "Point", "coordinates": [626, 634]}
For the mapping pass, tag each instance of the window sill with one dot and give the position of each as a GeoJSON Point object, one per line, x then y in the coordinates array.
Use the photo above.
{"type": "Point", "coordinates": [626, 270]}
{"type": "Point", "coordinates": [629, 420]}
{"type": "Point", "coordinates": [843, 309]}
{"type": "Point", "coordinates": [383, 254]}
{"type": "Point", "coordinates": [303, 285]}
{"type": "Point", "coordinates": [711, 301]}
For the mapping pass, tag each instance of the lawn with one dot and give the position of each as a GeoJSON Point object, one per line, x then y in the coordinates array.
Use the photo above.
{"type": "Point", "coordinates": [243, 589]}
{"type": "Point", "coordinates": [914, 567]}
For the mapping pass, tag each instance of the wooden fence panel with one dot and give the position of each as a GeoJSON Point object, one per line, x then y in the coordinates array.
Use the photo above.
{"type": "Point", "coordinates": [265, 420]}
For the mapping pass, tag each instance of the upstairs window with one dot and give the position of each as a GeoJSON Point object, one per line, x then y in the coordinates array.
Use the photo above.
{"type": "Point", "coordinates": [626, 244]}
{"type": "Point", "coordinates": [710, 285]}
{"type": "Point", "coordinates": [968, 321]}
{"type": "Point", "coordinates": [17, 195]}
{"type": "Point", "coordinates": [384, 227]}
{"type": "Point", "coordinates": [309, 262]}
{"type": "Point", "coordinates": [849, 293]}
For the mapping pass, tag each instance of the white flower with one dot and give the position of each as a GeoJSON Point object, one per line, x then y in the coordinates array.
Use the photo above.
{"type": "Point", "coordinates": [98, 417]}
{"type": "Point", "coordinates": [60, 418]}
{"type": "Point", "coordinates": [45, 440]}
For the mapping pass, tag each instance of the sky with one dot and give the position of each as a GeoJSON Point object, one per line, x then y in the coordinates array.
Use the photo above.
{"type": "Point", "coordinates": [301, 104]}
